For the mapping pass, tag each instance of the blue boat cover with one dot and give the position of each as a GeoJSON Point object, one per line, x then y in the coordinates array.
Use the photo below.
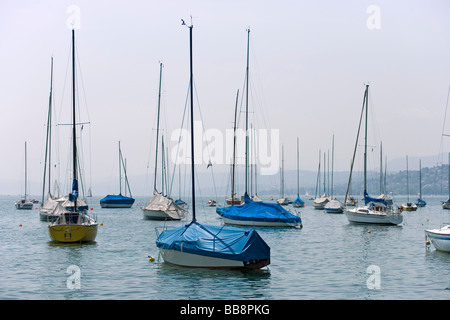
{"type": "Point", "coordinates": [215, 241]}
{"type": "Point", "coordinates": [259, 211]}
{"type": "Point", "coordinates": [112, 198]}
{"type": "Point", "coordinates": [420, 202]}
{"type": "Point", "coordinates": [368, 199]}
{"type": "Point", "coordinates": [298, 200]}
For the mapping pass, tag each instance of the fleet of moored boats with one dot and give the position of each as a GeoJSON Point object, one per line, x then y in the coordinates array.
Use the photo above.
{"type": "Point", "coordinates": [200, 245]}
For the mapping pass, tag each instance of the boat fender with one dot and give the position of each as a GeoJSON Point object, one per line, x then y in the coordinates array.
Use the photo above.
{"type": "Point", "coordinates": [151, 259]}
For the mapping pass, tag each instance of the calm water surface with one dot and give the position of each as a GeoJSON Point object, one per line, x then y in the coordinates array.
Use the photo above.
{"type": "Point", "coordinates": [327, 259]}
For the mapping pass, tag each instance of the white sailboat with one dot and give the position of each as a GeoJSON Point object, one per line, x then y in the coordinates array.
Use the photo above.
{"type": "Point", "coordinates": [374, 210]}
{"type": "Point", "coordinates": [161, 207]}
{"type": "Point", "coordinates": [24, 203]}
{"type": "Point", "coordinates": [320, 202]}
{"type": "Point", "coordinates": [283, 200]}
{"type": "Point", "coordinates": [334, 205]}
{"type": "Point", "coordinates": [440, 237]}
{"type": "Point", "coordinates": [408, 205]}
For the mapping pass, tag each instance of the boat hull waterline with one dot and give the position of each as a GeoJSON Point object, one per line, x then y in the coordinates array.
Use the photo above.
{"type": "Point", "coordinates": [186, 259]}
{"type": "Point", "coordinates": [361, 216]}
{"type": "Point", "coordinates": [70, 233]}
{"type": "Point", "coordinates": [440, 238]}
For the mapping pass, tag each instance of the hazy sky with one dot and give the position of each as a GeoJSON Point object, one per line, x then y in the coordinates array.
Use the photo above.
{"type": "Point", "coordinates": [309, 61]}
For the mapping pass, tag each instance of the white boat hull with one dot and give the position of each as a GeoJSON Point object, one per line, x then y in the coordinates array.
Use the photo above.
{"type": "Point", "coordinates": [259, 223]}
{"type": "Point", "coordinates": [440, 238]}
{"type": "Point", "coordinates": [157, 215]}
{"type": "Point", "coordinates": [24, 205]}
{"type": "Point", "coordinates": [185, 259]}
{"type": "Point", "coordinates": [333, 210]}
{"type": "Point", "coordinates": [373, 217]}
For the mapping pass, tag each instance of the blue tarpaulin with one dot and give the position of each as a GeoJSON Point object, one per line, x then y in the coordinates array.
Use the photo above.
{"type": "Point", "coordinates": [368, 199]}
{"type": "Point", "coordinates": [73, 196]}
{"type": "Point", "coordinates": [259, 211]}
{"type": "Point", "coordinates": [298, 200]}
{"type": "Point", "coordinates": [117, 199]}
{"type": "Point", "coordinates": [215, 241]}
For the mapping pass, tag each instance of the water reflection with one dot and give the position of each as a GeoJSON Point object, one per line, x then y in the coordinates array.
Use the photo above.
{"type": "Point", "coordinates": [205, 283]}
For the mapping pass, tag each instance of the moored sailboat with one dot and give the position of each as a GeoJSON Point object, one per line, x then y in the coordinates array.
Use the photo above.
{"type": "Point", "coordinates": [374, 210]}
{"type": "Point", "coordinates": [256, 213]}
{"type": "Point", "coordinates": [161, 207]}
{"type": "Point", "coordinates": [73, 225]}
{"type": "Point", "coordinates": [298, 203]}
{"type": "Point", "coordinates": [119, 201]}
{"type": "Point", "coordinates": [206, 246]}
{"type": "Point", "coordinates": [24, 203]}
{"type": "Point", "coordinates": [408, 205]}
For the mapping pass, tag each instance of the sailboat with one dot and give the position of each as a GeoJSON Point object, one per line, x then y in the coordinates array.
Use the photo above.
{"type": "Point", "coordinates": [440, 237]}
{"type": "Point", "coordinates": [420, 202]}
{"type": "Point", "coordinates": [200, 245]}
{"type": "Point", "coordinates": [119, 201]}
{"type": "Point", "coordinates": [73, 224]}
{"type": "Point", "coordinates": [334, 205]}
{"type": "Point", "coordinates": [284, 201]}
{"type": "Point", "coordinates": [256, 213]}
{"type": "Point", "coordinates": [232, 199]}
{"type": "Point", "coordinates": [161, 207]}
{"type": "Point", "coordinates": [374, 210]}
{"type": "Point", "coordinates": [298, 203]}
{"type": "Point", "coordinates": [24, 204]}
{"type": "Point", "coordinates": [320, 202]}
{"type": "Point", "coordinates": [408, 206]}
{"type": "Point", "coordinates": [48, 205]}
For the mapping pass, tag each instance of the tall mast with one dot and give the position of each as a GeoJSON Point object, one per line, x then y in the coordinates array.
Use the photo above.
{"type": "Point", "coordinates": [282, 171]}
{"type": "Point", "coordinates": [157, 125]}
{"type": "Point", "coordinates": [74, 142]}
{"type": "Point", "coordinates": [332, 167]}
{"type": "Point", "coordinates": [420, 178]}
{"type": "Point", "coordinates": [298, 171]}
{"type": "Point", "coordinates": [49, 137]}
{"type": "Point", "coordinates": [25, 170]}
{"type": "Point", "coordinates": [192, 122]}
{"type": "Point", "coordinates": [381, 168]}
{"type": "Point", "coordinates": [407, 178]}
{"type": "Point", "coordinates": [356, 145]}
{"type": "Point", "coordinates": [234, 151]}
{"type": "Point", "coordinates": [120, 171]}
{"type": "Point", "coordinates": [366, 95]}
{"type": "Point", "coordinates": [74, 135]}
{"type": "Point", "coordinates": [246, 113]}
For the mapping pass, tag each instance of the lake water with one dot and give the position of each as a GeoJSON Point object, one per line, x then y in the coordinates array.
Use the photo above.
{"type": "Point", "coordinates": [327, 259]}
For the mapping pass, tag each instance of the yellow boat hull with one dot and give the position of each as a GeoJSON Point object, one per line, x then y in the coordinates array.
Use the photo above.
{"type": "Point", "coordinates": [73, 232]}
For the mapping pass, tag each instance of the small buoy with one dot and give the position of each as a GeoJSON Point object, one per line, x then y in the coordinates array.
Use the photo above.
{"type": "Point", "coordinates": [151, 259]}
{"type": "Point", "coordinates": [101, 224]}
{"type": "Point", "coordinates": [368, 231]}
{"type": "Point", "coordinates": [92, 208]}
{"type": "Point", "coordinates": [427, 242]}
{"type": "Point", "coordinates": [20, 225]}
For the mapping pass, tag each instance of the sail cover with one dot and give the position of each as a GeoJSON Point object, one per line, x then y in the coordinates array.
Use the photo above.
{"type": "Point", "coordinates": [259, 211]}
{"type": "Point", "coordinates": [215, 241]}
{"type": "Point", "coordinates": [165, 204]}
{"type": "Point", "coordinates": [368, 199]}
{"type": "Point", "coordinates": [112, 198]}
{"type": "Point", "coordinates": [298, 200]}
